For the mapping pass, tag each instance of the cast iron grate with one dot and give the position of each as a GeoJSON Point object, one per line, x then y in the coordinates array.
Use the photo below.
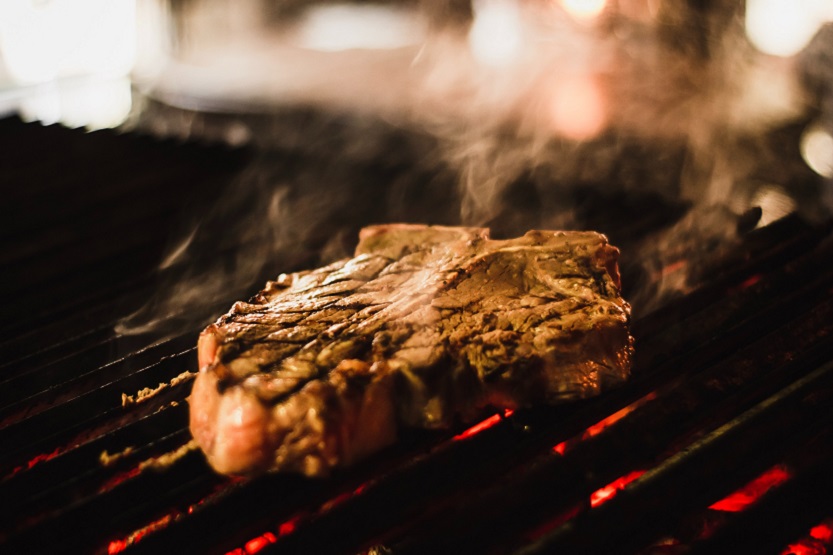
{"type": "Point", "coordinates": [733, 379]}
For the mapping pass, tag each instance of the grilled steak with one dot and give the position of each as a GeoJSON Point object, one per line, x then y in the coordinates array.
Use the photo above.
{"type": "Point", "coordinates": [424, 325]}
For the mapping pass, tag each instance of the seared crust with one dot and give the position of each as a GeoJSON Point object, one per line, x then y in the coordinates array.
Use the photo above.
{"type": "Point", "coordinates": [423, 324]}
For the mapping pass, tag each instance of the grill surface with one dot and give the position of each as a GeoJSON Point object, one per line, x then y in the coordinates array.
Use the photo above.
{"type": "Point", "coordinates": [733, 381]}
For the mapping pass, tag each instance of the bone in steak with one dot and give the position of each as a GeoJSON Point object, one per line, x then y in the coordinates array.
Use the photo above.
{"type": "Point", "coordinates": [424, 325]}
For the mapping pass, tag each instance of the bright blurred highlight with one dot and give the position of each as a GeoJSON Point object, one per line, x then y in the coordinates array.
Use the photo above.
{"type": "Point", "coordinates": [70, 59]}
{"type": "Point", "coordinates": [750, 493]}
{"type": "Point", "coordinates": [577, 109]}
{"type": "Point", "coordinates": [496, 34]}
{"type": "Point", "coordinates": [817, 150]}
{"type": "Point", "coordinates": [41, 41]}
{"type": "Point", "coordinates": [602, 495]}
{"type": "Point", "coordinates": [337, 27]}
{"type": "Point", "coordinates": [584, 10]}
{"type": "Point", "coordinates": [784, 27]}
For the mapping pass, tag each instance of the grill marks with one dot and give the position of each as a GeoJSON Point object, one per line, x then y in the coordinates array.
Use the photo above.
{"type": "Point", "coordinates": [452, 323]}
{"type": "Point", "coordinates": [407, 498]}
{"type": "Point", "coordinates": [404, 484]}
{"type": "Point", "coordinates": [695, 396]}
{"type": "Point", "coordinates": [417, 302]}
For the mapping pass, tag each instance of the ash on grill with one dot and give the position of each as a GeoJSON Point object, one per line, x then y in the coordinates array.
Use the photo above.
{"type": "Point", "coordinates": [720, 442]}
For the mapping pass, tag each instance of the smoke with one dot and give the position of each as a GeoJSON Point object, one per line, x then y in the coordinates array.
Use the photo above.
{"type": "Point", "coordinates": [315, 179]}
{"type": "Point", "coordinates": [516, 116]}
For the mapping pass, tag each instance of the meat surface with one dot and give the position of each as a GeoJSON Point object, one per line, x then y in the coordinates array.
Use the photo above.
{"type": "Point", "coordinates": [424, 325]}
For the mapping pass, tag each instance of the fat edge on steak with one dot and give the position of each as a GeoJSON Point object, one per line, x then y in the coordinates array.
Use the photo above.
{"type": "Point", "coordinates": [424, 325]}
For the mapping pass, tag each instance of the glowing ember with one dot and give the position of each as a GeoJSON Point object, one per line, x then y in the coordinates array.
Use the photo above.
{"type": "Point", "coordinates": [754, 490]}
{"type": "Point", "coordinates": [606, 493]}
{"type": "Point", "coordinates": [554, 523]}
{"type": "Point", "coordinates": [37, 460]}
{"type": "Point", "coordinates": [484, 425]}
{"type": "Point", "coordinates": [603, 424]}
{"type": "Point", "coordinates": [287, 527]}
{"type": "Point", "coordinates": [750, 281]}
{"type": "Point", "coordinates": [337, 500]}
{"type": "Point", "coordinates": [116, 546]}
{"type": "Point", "coordinates": [823, 532]}
{"type": "Point", "coordinates": [816, 543]}
{"type": "Point", "coordinates": [746, 284]}
{"type": "Point", "coordinates": [258, 543]}
{"type": "Point", "coordinates": [561, 448]}
{"type": "Point", "coordinates": [805, 548]}
{"type": "Point", "coordinates": [119, 478]}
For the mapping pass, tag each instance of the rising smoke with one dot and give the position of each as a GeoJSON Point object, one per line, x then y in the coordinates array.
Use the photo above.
{"type": "Point", "coordinates": [517, 116]}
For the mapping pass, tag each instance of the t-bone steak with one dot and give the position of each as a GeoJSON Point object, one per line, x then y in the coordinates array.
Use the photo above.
{"type": "Point", "coordinates": [423, 326]}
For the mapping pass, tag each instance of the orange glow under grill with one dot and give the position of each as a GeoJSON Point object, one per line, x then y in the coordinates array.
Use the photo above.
{"type": "Point", "coordinates": [116, 546]}
{"type": "Point", "coordinates": [287, 527]}
{"type": "Point", "coordinates": [554, 523]}
{"type": "Point", "coordinates": [258, 543]}
{"type": "Point", "coordinates": [37, 460]}
{"type": "Point", "coordinates": [606, 493]}
{"type": "Point", "coordinates": [261, 542]}
{"type": "Point", "coordinates": [119, 478]}
{"type": "Point", "coordinates": [805, 548]}
{"type": "Point", "coordinates": [754, 490]}
{"type": "Point", "coordinates": [603, 424]}
{"type": "Point", "coordinates": [484, 425]}
{"type": "Point", "coordinates": [822, 532]}
{"type": "Point", "coordinates": [750, 281]}
{"type": "Point", "coordinates": [818, 542]}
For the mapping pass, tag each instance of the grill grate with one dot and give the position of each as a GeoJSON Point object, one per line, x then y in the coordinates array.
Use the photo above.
{"type": "Point", "coordinates": [733, 379]}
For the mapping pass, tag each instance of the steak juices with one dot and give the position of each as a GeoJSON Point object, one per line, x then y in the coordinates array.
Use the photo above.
{"type": "Point", "coordinates": [424, 324]}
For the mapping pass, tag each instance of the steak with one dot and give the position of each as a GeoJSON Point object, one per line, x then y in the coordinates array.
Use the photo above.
{"type": "Point", "coordinates": [423, 326]}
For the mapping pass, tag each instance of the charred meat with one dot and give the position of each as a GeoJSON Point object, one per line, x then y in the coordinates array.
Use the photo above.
{"type": "Point", "coordinates": [424, 325]}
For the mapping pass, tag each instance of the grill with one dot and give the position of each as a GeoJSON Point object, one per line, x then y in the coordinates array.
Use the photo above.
{"type": "Point", "coordinates": [721, 442]}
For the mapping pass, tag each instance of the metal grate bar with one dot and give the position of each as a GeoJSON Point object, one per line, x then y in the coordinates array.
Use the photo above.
{"type": "Point", "coordinates": [762, 436]}
{"type": "Point", "coordinates": [681, 409]}
{"type": "Point", "coordinates": [49, 424]}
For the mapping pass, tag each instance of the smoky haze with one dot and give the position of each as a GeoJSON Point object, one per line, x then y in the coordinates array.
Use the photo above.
{"type": "Point", "coordinates": [647, 125]}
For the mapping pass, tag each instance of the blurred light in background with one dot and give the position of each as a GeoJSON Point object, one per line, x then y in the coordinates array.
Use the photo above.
{"type": "Point", "coordinates": [584, 10]}
{"type": "Point", "coordinates": [336, 27]}
{"type": "Point", "coordinates": [45, 40]}
{"type": "Point", "coordinates": [496, 35]}
{"type": "Point", "coordinates": [784, 27]}
{"type": "Point", "coordinates": [817, 150]}
{"type": "Point", "coordinates": [578, 108]}
{"type": "Point", "coordinates": [68, 60]}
